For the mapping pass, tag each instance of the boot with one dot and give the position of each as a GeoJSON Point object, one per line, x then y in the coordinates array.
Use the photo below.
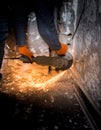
{"type": "Point", "coordinates": [26, 55]}
{"type": "Point", "coordinates": [63, 50]}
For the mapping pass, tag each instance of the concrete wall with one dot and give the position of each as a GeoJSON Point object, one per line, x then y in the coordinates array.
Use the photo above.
{"type": "Point", "coordinates": [86, 50]}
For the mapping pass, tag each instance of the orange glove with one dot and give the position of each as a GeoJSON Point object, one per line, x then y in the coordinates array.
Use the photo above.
{"type": "Point", "coordinates": [25, 51]}
{"type": "Point", "coordinates": [63, 49]}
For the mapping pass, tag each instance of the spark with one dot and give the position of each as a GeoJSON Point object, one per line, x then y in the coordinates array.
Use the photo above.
{"type": "Point", "coordinates": [24, 77]}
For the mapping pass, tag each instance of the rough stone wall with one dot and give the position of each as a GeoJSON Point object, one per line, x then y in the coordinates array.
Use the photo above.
{"type": "Point", "coordinates": [87, 50]}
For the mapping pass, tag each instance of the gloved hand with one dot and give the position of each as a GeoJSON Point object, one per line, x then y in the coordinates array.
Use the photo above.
{"type": "Point", "coordinates": [23, 50]}
{"type": "Point", "coordinates": [63, 50]}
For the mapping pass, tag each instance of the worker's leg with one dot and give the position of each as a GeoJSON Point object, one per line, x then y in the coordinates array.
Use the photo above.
{"type": "Point", "coordinates": [20, 19]}
{"type": "Point", "coordinates": [46, 26]}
